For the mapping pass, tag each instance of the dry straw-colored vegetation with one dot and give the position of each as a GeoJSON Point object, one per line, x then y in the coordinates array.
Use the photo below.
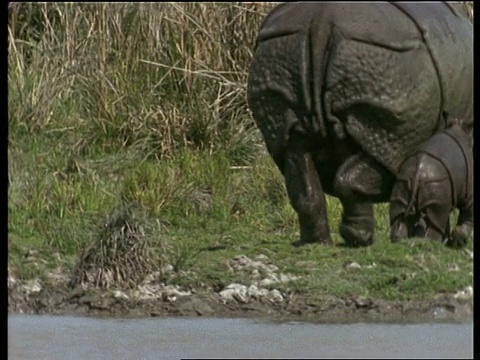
{"type": "Point", "coordinates": [154, 76]}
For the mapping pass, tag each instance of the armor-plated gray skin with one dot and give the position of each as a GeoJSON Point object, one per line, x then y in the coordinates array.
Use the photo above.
{"type": "Point", "coordinates": [431, 183]}
{"type": "Point", "coordinates": [344, 92]}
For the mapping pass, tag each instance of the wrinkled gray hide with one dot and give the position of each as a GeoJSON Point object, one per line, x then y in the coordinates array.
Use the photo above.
{"type": "Point", "coordinates": [344, 92]}
{"type": "Point", "coordinates": [431, 183]}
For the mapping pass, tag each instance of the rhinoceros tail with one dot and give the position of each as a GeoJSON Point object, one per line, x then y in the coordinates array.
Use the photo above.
{"type": "Point", "coordinates": [413, 187]}
{"type": "Point", "coordinates": [320, 41]}
{"type": "Point", "coordinates": [411, 209]}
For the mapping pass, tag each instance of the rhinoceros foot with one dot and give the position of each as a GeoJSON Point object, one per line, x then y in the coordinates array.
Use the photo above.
{"type": "Point", "coordinates": [398, 231]}
{"type": "Point", "coordinates": [459, 237]}
{"type": "Point", "coordinates": [355, 236]}
{"type": "Point", "coordinates": [313, 235]}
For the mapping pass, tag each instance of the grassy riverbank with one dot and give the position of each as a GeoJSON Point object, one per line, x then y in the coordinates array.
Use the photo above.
{"type": "Point", "coordinates": [134, 117]}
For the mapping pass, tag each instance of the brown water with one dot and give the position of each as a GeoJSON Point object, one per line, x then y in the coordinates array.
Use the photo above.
{"type": "Point", "coordinates": [50, 337]}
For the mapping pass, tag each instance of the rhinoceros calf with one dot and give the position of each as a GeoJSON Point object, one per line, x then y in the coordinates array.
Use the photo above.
{"type": "Point", "coordinates": [431, 183]}
{"type": "Point", "coordinates": [343, 92]}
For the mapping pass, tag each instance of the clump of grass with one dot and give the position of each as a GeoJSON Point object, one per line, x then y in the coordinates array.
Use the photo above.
{"type": "Point", "coordinates": [120, 256]}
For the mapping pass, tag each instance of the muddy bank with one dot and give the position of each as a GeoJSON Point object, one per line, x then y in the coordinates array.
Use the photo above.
{"type": "Point", "coordinates": [62, 301]}
{"type": "Point", "coordinates": [258, 300]}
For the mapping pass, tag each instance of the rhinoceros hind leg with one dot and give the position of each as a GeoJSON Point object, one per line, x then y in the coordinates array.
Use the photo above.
{"type": "Point", "coordinates": [306, 194]}
{"type": "Point", "coordinates": [460, 235]}
{"type": "Point", "coordinates": [358, 224]}
{"type": "Point", "coordinates": [434, 201]}
{"type": "Point", "coordinates": [404, 223]}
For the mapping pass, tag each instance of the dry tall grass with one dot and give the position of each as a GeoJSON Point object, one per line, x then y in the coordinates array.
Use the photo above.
{"type": "Point", "coordinates": [156, 76]}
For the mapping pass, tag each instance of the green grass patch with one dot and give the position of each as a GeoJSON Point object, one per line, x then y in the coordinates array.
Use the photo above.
{"type": "Point", "coordinates": [203, 212]}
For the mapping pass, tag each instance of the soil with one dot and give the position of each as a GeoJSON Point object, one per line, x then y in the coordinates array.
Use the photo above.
{"type": "Point", "coordinates": [56, 297]}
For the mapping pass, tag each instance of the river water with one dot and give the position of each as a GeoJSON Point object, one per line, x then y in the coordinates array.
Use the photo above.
{"type": "Point", "coordinates": [63, 337]}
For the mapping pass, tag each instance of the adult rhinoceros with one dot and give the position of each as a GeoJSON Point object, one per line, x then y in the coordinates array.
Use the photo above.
{"type": "Point", "coordinates": [344, 92]}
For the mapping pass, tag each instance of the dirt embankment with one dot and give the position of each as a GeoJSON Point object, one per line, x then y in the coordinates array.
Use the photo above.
{"type": "Point", "coordinates": [259, 299]}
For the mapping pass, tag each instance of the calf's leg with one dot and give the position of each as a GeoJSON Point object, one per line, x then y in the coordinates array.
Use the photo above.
{"type": "Point", "coordinates": [435, 206]}
{"type": "Point", "coordinates": [464, 227]}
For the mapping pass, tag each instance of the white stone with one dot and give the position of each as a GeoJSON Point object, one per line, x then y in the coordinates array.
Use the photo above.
{"type": "Point", "coordinates": [465, 294]}
{"type": "Point", "coordinates": [261, 257]}
{"type": "Point", "coordinates": [32, 286]}
{"type": "Point", "coordinates": [234, 291]}
{"type": "Point", "coordinates": [271, 268]}
{"type": "Point", "coordinates": [172, 290]}
{"type": "Point", "coordinates": [453, 267]}
{"type": "Point", "coordinates": [117, 294]}
{"type": "Point", "coordinates": [255, 292]}
{"type": "Point", "coordinates": [167, 269]}
{"type": "Point", "coordinates": [170, 298]}
{"type": "Point", "coordinates": [258, 265]}
{"type": "Point", "coordinates": [255, 274]}
{"type": "Point", "coordinates": [353, 265]}
{"type": "Point", "coordinates": [276, 296]}
{"type": "Point", "coordinates": [266, 282]}
{"type": "Point", "coordinates": [242, 260]}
